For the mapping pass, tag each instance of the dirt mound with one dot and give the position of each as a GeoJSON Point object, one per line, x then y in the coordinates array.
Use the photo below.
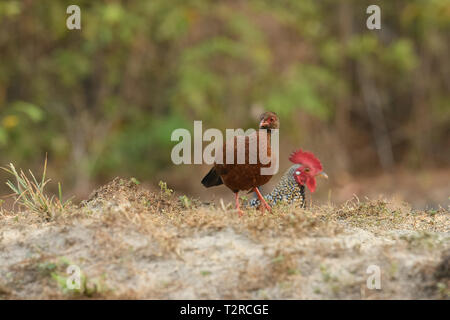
{"type": "Point", "coordinates": [129, 193]}
{"type": "Point", "coordinates": [129, 242]}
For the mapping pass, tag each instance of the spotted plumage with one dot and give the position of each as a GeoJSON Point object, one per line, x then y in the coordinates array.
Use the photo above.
{"type": "Point", "coordinates": [287, 191]}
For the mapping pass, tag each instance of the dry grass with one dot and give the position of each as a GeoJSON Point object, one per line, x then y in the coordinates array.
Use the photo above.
{"type": "Point", "coordinates": [30, 193]}
{"type": "Point", "coordinates": [133, 243]}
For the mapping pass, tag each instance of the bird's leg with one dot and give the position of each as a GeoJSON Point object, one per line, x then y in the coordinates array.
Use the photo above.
{"type": "Point", "coordinates": [238, 208]}
{"type": "Point", "coordinates": [263, 201]}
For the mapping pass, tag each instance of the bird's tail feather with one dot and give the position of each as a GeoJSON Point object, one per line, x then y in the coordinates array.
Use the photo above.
{"type": "Point", "coordinates": [212, 179]}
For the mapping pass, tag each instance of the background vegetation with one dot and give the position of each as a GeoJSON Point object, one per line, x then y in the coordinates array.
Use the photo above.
{"type": "Point", "coordinates": [103, 101]}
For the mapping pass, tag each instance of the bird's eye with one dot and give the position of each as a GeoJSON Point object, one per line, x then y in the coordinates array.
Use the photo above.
{"type": "Point", "coordinates": [307, 169]}
{"type": "Point", "coordinates": [297, 172]}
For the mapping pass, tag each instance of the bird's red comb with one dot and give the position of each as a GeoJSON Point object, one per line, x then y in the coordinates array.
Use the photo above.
{"type": "Point", "coordinates": [307, 159]}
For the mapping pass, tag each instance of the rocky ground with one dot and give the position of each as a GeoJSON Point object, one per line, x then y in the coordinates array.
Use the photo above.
{"type": "Point", "coordinates": [135, 244]}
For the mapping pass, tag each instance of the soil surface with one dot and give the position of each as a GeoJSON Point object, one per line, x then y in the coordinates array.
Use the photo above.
{"type": "Point", "coordinates": [129, 242]}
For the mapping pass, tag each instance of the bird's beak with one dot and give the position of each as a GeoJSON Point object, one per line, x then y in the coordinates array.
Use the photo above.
{"type": "Point", "coordinates": [323, 175]}
{"type": "Point", "coordinates": [263, 124]}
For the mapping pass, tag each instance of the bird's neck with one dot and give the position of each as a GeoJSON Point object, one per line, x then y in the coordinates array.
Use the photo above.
{"type": "Point", "coordinates": [286, 191]}
{"type": "Point", "coordinates": [268, 133]}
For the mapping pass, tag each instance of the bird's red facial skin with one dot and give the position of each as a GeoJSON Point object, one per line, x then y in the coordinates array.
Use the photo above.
{"type": "Point", "coordinates": [305, 177]}
{"type": "Point", "coordinates": [311, 184]}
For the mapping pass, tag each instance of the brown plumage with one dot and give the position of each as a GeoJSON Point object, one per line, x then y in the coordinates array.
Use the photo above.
{"type": "Point", "coordinates": [245, 176]}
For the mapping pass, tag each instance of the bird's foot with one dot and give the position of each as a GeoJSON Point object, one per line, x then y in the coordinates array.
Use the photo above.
{"type": "Point", "coordinates": [238, 208]}
{"type": "Point", "coordinates": [264, 204]}
{"type": "Point", "coordinates": [263, 208]}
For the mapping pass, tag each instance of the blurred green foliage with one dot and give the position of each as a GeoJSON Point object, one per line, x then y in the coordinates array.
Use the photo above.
{"type": "Point", "coordinates": [103, 100]}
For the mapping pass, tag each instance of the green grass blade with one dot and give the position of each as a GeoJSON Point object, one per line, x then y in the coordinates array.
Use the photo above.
{"type": "Point", "coordinates": [60, 192]}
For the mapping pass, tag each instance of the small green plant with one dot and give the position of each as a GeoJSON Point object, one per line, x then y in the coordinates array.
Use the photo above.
{"type": "Point", "coordinates": [58, 271]}
{"type": "Point", "coordinates": [444, 291]}
{"type": "Point", "coordinates": [326, 275]}
{"type": "Point", "coordinates": [135, 181]}
{"type": "Point", "coordinates": [30, 193]}
{"type": "Point", "coordinates": [164, 188]}
{"type": "Point", "coordinates": [185, 201]}
{"type": "Point", "coordinates": [88, 287]}
{"type": "Point", "coordinates": [47, 268]}
{"type": "Point", "coordinates": [278, 259]}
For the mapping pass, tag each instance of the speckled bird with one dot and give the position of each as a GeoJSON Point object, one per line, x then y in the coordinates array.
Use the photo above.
{"type": "Point", "coordinates": [291, 187]}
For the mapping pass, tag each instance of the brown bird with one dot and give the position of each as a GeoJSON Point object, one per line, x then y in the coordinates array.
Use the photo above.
{"type": "Point", "coordinates": [245, 175]}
